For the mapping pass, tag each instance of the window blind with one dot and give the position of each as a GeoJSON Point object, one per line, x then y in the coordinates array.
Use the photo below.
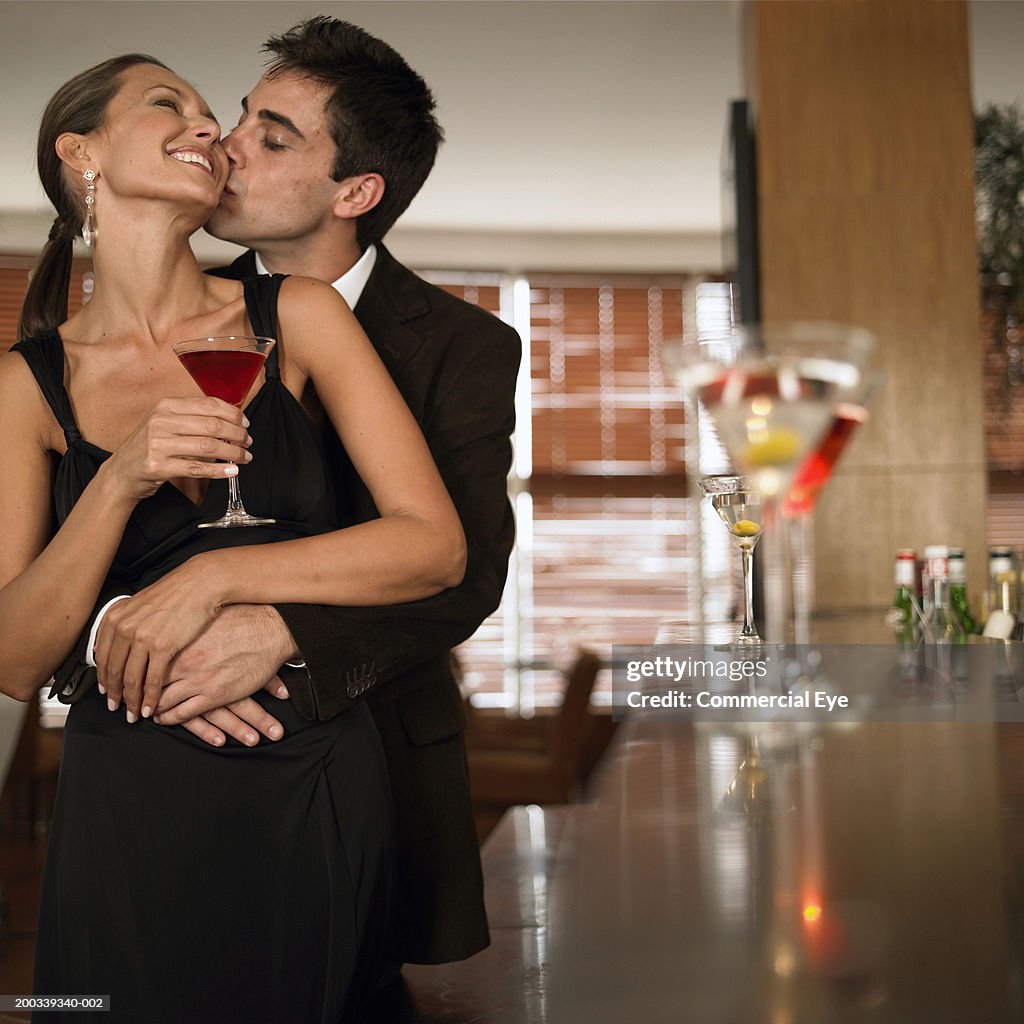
{"type": "Point", "coordinates": [14, 277]}
{"type": "Point", "coordinates": [602, 524]}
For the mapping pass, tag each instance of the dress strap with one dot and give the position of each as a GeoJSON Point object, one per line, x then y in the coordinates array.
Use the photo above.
{"type": "Point", "coordinates": [261, 305]}
{"type": "Point", "coordinates": [44, 354]}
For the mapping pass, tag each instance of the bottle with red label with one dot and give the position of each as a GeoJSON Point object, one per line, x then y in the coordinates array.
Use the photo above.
{"type": "Point", "coordinates": [943, 625]}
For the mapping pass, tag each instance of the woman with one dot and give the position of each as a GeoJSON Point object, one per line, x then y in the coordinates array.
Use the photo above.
{"type": "Point", "coordinates": [190, 882]}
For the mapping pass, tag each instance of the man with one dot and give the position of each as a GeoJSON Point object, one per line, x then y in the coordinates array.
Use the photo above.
{"type": "Point", "coordinates": [333, 143]}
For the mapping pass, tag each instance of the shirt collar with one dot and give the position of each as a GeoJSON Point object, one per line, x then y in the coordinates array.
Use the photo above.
{"type": "Point", "coordinates": [351, 284]}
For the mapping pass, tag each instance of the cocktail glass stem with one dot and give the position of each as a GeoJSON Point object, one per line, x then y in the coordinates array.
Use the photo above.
{"type": "Point", "coordinates": [775, 564]}
{"type": "Point", "coordinates": [801, 538]}
{"type": "Point", "coordinates": [749, 631]}
{"type": "Point", "coordinates": [235, 506]}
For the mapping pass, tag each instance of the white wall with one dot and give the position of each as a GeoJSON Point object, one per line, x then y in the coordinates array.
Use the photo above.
{"type": "Point", "coordinates": [572, 127]}
{"type": "Point", "coordinates": [580, 134]}
{"type": "Point", "coordinates": [997, 51]}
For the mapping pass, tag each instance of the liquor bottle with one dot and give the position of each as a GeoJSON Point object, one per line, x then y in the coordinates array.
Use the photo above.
{"type": "Point", "coordinates": [903, 617]}
{"type": "Point", "coordinates": [1002, 580]}
{"type": "Point", "coordinates": [943, 624]}
{"type": "Point", "coordinates": [1002, 600]}
{"type": "Point", "coordinates": [958, 589]}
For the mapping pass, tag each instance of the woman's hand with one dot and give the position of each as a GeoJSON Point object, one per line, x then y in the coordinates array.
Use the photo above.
{"type": "Point", "coordinates": [181, 437]}
{"type": "Point", "coordinates": [142, 635]}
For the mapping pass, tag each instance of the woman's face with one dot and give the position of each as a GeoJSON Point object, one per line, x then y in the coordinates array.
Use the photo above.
{"type": "Point", "coordinates": [158, 141]}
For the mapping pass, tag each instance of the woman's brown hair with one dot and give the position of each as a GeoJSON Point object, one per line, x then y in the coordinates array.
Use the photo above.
{"type": "Point", "coordinates": [78, 106]}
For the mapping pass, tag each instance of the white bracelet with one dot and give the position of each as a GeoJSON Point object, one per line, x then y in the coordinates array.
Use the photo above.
{"type": "Point", "coordinates": [90, 654]}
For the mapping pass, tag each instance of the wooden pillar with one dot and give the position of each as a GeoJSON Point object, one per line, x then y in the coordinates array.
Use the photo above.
{"type": "Point", "coordinates": [866, 216]}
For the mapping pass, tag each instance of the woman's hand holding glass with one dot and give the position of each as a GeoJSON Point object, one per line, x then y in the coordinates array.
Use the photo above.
{"type": "Point", "coordinates": [181, 437]}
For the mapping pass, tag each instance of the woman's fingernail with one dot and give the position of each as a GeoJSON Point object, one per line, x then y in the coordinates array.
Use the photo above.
{"type": "Point", "coordinates": [250, 737]}
{"type": "Point", "coordinates": [248, 440]}
{"type": "Point", "coordinates": [248, 456]}
{"type": "Point", "coordinates": [275, 732]}
{"type": "Point", "coordinates": [111, 704]}
{"type": "Point", "coordinates": [218, 740]}
{"type": "Point", "coordinates": [231, 469]}
{"type": "Point", "coordinates": [147, 711]}
{"type": "Point", "coordinates": [101, 688]}
{"type": "Point", "coordinates": [130, 715]}
{"type": "Point", "coordinates": [245, 422]}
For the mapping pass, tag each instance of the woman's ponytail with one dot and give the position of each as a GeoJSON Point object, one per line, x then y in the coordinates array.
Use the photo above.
{"type": "Point", "coordinates": [46, 301]}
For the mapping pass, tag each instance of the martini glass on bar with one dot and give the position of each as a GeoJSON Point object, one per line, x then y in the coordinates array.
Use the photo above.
{"type": "Point", "coordinates": [226, 368]}
{"type": "Point", "coordinates": [739, 505]}
{"type": "Point", "coordinates": [770, 392]}
{"type": "Point", "coordinates": [851, 411]}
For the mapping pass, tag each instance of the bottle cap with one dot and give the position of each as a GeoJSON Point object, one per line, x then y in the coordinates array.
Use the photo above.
{"type": "Point", "coordinates": [936, 562]}
{"type": "Point", "coordinates": [957, 567]}
{"type": "Point", "coordinates": [1000, 560]}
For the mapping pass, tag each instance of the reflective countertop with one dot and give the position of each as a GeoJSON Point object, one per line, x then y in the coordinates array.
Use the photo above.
{"type": "Point", "coordinates": [775, 875]}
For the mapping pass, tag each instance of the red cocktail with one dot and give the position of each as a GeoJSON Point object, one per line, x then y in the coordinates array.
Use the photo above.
{"type": "Point", "coordinates": [226, 368]}
{"type": "Point", "coordinates": [225, 374]}
{"type": "Point", "coordinates": [816, 468]}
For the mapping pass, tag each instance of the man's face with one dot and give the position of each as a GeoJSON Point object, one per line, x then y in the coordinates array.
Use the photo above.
{"type": "Point", "coordinates": [279, 188]}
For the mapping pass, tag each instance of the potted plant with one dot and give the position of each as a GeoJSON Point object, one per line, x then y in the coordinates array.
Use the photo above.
{"type": "Point", "coordinates": [999, 211]}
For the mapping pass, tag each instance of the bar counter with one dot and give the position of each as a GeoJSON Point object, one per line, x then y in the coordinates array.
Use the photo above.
{"type": "Point", "coordinates": [777, 874]}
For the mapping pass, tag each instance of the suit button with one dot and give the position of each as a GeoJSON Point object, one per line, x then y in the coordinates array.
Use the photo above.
{"type": "Point", "coordinates": [352, 690]}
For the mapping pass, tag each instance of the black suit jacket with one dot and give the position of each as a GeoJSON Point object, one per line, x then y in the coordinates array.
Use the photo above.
{"type": "Point", "coordinates": [456, 368]}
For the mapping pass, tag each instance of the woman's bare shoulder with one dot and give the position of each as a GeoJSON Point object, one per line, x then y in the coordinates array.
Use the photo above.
{"type": "Point", "coordinates": [23, 408]}
{"type": "Point", "coordinates": [314, 318]}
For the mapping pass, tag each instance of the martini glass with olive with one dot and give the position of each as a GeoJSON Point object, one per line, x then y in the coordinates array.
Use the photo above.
{"type": "Point", "coordinates": [739, 505]}
{"type": "Point", "coordinates": [770, 392]}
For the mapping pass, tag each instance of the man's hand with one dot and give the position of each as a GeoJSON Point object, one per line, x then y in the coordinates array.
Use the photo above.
{"type": "Point", "coordinates": [213, 679]}
{"type": "Point", "coordinates": [244, 720]}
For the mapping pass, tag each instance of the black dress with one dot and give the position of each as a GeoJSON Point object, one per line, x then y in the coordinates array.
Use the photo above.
{"type": "Point", "coordinates": [200, 884]}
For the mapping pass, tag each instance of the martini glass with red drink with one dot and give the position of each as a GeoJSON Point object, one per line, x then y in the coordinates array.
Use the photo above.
{"type": "Point", "coordinates": [226, 368]}
{"type": "Point", "coordinates": [850, 412]}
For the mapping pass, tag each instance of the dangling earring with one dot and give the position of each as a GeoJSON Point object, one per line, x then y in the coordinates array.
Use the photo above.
{"type": "Point", "coordinates": [89, 227]}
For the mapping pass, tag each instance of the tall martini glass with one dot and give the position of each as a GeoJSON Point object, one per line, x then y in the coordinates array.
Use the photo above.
{"type": "Point", "coordinates": [770, 392]}
{"type": "Point", "coordinates": [851, 411]}
{"type": "Point", "coordinates": [227, 368]}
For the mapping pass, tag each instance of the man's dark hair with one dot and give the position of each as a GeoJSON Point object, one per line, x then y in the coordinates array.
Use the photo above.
{"type": "Point", "coordinates": [380, 112]}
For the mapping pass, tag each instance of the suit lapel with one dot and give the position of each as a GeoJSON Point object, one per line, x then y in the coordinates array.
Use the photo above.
{"type": "Point", "coordinates": [392, 298]}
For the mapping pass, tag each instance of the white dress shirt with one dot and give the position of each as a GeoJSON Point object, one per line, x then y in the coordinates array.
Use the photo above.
{"type": "Point", "coordinates": [351, 284]}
